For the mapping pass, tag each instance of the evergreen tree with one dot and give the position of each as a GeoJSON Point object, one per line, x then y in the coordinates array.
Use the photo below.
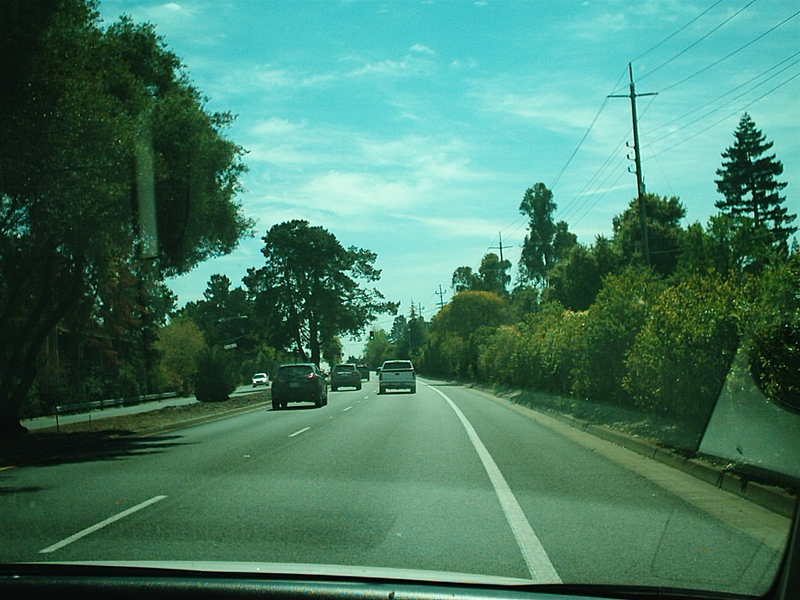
{"type": "Point", "coordinates": [748, 182]}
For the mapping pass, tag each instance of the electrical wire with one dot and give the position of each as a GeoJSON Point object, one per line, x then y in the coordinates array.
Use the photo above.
{"type": "Point", "coordinates": [727, 56]}
{"type": "Point", "coordinates": [732, 90]}
{"type": "Point", "coordinates": [728, 116]}
{"type": "Point", "coordinates": [676, 32]}
{"type": "Point", "coordinates": [697, 41]}
{"type": "Point", "coordinates": [719, 108]}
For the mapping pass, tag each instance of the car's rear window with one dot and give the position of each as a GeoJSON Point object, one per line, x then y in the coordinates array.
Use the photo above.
{"type": "Point", "coordinates": [341, 368]}
{"type": "Point", "coordinates": [294, 370]}
{"type": "Point", "coordinates": [396, 365]}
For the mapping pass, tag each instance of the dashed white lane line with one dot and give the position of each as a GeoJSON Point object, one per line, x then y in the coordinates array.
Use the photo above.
{"type": "Point", "coordinates": [346, 409]}
{"type": "Point", "coordinates": [303, 430]}
{"type": "Point", "coordinates": [100, 525]}
{"type": "Point", "coordinates": [539, 566]}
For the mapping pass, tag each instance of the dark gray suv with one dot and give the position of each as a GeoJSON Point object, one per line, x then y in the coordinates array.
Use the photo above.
{"type": "Point", "coordinates": [299, 382]}
{"type": "Point", "coordinates": [345, 375]}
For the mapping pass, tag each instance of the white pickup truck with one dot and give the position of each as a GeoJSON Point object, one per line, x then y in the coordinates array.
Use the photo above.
{"type": "Point", "coordinates": [397, 375]}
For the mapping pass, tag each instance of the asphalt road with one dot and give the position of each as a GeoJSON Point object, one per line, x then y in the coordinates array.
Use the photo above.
{"type": "Point", "coordinates": [446, 479]}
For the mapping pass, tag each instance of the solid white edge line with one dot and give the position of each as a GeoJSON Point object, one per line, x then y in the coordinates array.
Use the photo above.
{"type": "Point", "coordinates": [539, 566]}
{"type": "Point", "coordinates": [100, 525]}
{"type": "Point", "coordinates": [303, 430]}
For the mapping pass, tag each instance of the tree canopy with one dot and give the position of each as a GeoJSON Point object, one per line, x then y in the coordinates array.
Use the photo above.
{"type": "Point", "coordinates": [747, 180]}
{"type": "Point", "coordinates": [310, 288]}
{"type": "Point", "coordinates": [546, 241]}
{"type": "Point", "coordinates": [112, 171]}
{"type": "Point", "coordinates": [492, 276]}
{"type": "Point", "coordinates": [664, 217]}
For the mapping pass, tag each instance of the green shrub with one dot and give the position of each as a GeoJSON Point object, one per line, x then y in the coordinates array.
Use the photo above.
{"type": "Point", "coordinates": [678, 364]}
{"type": "Point", "coordinates": [216, 376]}
{"type": "Point", "coordinates": [610, 329]}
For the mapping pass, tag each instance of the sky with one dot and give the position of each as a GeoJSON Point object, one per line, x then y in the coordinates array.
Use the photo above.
{"type": "Point", "coordinates": [413, 128]}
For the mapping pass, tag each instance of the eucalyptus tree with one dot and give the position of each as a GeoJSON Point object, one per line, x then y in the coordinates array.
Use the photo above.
{"type": "Point", "coordinates": [547, 241]}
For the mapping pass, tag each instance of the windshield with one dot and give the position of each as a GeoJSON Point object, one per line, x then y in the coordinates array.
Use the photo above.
{"type": "Point", "coordinates": [393, 366]}
{"type": "Point", "coordinates": [574, 221]}
{"type": "Point", "coordinates": [294, 370]}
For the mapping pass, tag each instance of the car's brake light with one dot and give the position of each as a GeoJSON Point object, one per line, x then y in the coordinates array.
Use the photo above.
{"type": "Point", "coordinates": [310, 376]}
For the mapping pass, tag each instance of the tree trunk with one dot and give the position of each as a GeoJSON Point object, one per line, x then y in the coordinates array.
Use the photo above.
{"type": "Point", "coordinates": [55, 297]}
{"type": "Point", "coordinates": [313, 340]}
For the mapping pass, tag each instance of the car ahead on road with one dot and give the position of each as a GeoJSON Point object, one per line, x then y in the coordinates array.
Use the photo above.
{"type": "Point", "coordinates": [299, 382]}
{"type": "Point", "coordinates": [260, 379]}
{"type": "Point", "coordinates": [397, 375]}
{"type": "Point", "coordinates": [345, 375]}
{"type": "Point", "coordinates": [364, 370]}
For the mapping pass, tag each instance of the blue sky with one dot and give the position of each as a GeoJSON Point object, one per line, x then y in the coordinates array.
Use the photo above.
{"type": "Point", "coordinates": [413, 128]}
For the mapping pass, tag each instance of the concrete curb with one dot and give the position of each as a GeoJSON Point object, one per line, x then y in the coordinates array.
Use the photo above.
{"type": "Point", "coordinates": [772, 498]}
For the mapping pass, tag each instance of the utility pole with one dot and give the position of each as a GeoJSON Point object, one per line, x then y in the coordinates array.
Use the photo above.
{"type": "Point", "coordinates": [638, 163]}
{"type": "Point", "coordinates": [502, 260]}
{"type": "Point", "coordinates": [440, 293]}
{"type": "Point", "coordinates": [500, 247]}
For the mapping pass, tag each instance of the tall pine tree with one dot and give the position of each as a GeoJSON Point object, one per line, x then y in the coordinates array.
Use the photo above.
{"type": "Point", "coordinates": [748, 182]}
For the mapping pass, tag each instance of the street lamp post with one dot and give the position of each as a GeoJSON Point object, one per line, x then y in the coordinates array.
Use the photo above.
{"type": "Point", "coordinates": [223, 320]}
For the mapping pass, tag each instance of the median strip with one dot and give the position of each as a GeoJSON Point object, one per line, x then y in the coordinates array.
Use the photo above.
{"type": "Point", "coordinates": [100, 525]}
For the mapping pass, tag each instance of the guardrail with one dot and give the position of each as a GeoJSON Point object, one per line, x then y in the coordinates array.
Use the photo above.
{"type": "Point", "coordinates": [88, 407]}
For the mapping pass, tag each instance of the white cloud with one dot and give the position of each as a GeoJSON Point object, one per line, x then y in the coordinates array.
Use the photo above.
{"type": "Point", "coordinates": [276, 126]}
{"type": "Point", "coordinates": [421, 49]}
{"type": "Point", "coordinates": [384, 67]}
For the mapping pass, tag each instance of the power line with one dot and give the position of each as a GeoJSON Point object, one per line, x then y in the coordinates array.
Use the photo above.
{"type": "Point", "coordinates": [676, 32]}
{"type": "Point", "coordinates": [728, 116]}
{"type": "Point", "coordinates": [727, 56]}
{"type": "Point", "coordinates": [571, 205]}
{"type": "Point", "coordinates": [585, 135]}
{"type": "Point", "coordinates": [697, 41]}
{"type": "Point", "coordinates": [596, 202]}
{"type": "Point", "coordinates": [580, 203]}
{"type": "Point", "coordinates": [732, 90]}
{"type": "Point", "coordinates": [719, 108]}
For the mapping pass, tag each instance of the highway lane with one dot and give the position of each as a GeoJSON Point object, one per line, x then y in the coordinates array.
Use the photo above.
{"type": "Point", "coordinates": [390, 481]}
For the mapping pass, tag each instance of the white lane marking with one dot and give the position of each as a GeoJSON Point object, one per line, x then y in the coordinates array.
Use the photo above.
{"type": "Point", "coordinates": [100, 525]}
{"type": "Point", "coordinates": [346, 409]}
{"type": "Point", "coordinates": [304, 429]}
{"type": "Point", "coordinates": [539, 566]}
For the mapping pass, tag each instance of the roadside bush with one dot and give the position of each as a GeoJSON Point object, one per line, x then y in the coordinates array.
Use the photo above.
{"type": "Point", "coordinates": [679, 361]}
{"type": "Point", "coordinates": [610, 328]}
{"type": "Point", "coordinates": [180, 343]}
{"type": "Point", "coordinates": [216, 376]}
{"type": "Point", "coordinates": [775, 364]}
{"type": "Point", "coordinates": [773, 332]}
{"type": "Point", "coordinates": [550, 346]}
{"type": "Point", "coordinates": [498, 361]}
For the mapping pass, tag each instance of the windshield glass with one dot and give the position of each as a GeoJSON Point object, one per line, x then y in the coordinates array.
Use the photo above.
{"type": "Point", "coordinates": [574, 222]}
{"type": "Point", "coordinates": [294, 370]}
